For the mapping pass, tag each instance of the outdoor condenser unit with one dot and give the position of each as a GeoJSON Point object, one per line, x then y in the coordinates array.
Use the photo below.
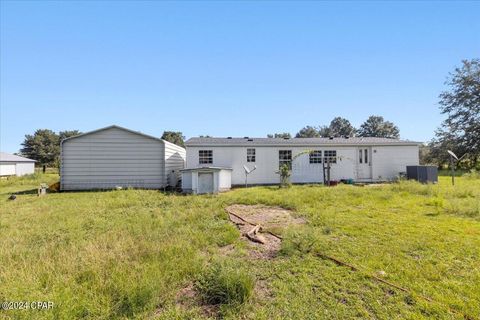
{"type": "Point", "coordinates": [423, 174]}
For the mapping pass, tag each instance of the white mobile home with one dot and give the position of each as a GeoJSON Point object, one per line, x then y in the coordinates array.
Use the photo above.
{"type": "Point", "coordinates": [13, 165]}
{"type": "Point", "coordinates": [117, 157]}
{"type": "Point", "coordinates": [360, 159]}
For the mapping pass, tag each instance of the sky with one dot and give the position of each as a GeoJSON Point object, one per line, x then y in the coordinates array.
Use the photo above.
{"type": "Point", "coordinates": [243, 68]}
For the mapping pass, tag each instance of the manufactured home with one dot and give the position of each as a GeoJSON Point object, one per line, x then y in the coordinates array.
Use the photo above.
{"type": "Point", "coordinates": [13, 165]}
{"type": "Point", "coordinates": [356, 158]}
{"type": "Point", "coordinates": [114, 157]}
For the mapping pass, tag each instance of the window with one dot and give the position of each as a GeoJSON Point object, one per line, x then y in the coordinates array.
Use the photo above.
{"type": "Point", "coordinates": [316, 156]}
{"type": "Point", "coordinates": [285, 157]}
{"type": "Point", "coordinates": [205, 156]}
{"type": "Point", "coordinates": [363, 156]}
{"type": "Point", "coordinates": [330, 156]}
{"type": "Point", "coordinates": [250, 155]}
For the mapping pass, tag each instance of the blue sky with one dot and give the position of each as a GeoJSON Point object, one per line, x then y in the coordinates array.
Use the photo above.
{"type": "Point", "coordinates": [227, 68]}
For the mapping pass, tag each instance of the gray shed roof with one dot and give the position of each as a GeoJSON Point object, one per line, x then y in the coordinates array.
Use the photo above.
{"type": "Point", "coordinates": [7, 157]}
{"type": "Point", "coordinates": [370, 141]}
{"type": "Point", "coordinates": [206, 168]}
{"type": "Point", "coordinates": [117, 127]}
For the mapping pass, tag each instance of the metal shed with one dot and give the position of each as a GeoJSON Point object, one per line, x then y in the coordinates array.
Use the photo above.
{"type": "Point", "coordinates": [118, 157]}
{"type": "Point", "coordinates": [206, 180]}
{"type": "Point", "coordinates": [13, 165]}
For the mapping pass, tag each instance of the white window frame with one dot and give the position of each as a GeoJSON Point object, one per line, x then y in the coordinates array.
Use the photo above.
{"type": "Point", "coordinates": [205, 156]}
{"type": "Point", "coordinates": [285, 157]}
{"type": "Point", "coordinates": [330, 155]}
{"type": "Point", "coordinates": [251, 155]}
{"type": "Point", "coordinates": [315, 156]}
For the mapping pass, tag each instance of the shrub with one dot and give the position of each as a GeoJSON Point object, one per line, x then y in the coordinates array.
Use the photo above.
{"type": "Point", "coordinates": [300, 241]}
{"type": "Point", "coordinates": [284, 173]}
{"type": "Point", "coordinates": [225, 283]}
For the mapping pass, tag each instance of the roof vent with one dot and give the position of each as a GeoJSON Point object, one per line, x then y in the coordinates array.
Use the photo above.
{"type": "Point", "coordinates": [250, 140]}
{"type": "Point", "coordinates": [229, 137]}
{"type": "Point", "coordinates": [331, 137]}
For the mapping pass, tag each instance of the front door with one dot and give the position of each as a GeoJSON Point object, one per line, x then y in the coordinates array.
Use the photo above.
{"type": "Point", "coordinates": [205, 182]}
{"type": "Point", "coordinates": [364, 163]}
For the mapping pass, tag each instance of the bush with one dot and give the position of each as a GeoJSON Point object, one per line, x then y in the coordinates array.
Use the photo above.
{"type": "Point", "coordinates": [225, 283]}
{"type": "Point", "coordinates": [304, 241]}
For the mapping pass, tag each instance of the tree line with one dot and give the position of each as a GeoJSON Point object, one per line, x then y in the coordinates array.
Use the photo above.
{"type": "Point", "coordinates": [374, 126]}
{"type": "Point", "coordinates": [459, 132]}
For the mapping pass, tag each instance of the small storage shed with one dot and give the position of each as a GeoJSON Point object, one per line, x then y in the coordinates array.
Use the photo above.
{"type": "Point", "coordinates": [118, 157]}
{"type": "Point", "coordinates": [206, 180]}
{"type": "Point", "coordinates": [13, 165]}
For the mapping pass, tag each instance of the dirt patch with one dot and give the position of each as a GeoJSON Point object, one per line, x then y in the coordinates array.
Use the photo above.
{"type": "Point", "coordinates": [268, 217]}
{"type": "Point", "coordinates": [271, 220]}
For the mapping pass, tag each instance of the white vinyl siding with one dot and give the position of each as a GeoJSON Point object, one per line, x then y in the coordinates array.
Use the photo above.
{"type": "Point", "coordinates": [23, 168]}
{"type": "Point", "coordinates": [7, 169]}
{"type": "Point", "coordinates": [386, 162]}
{"type": "Point", "coordinates": [16, 168]}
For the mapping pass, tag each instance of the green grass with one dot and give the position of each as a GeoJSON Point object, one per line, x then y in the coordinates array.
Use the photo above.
{"type": "Point", "coordinates": [225, 282]}
{"type": "Point", "coordinates": [126, 254]}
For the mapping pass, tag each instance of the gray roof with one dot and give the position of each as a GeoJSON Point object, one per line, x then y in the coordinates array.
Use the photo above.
{"type": "Point", "coordinates": [206, 168]}
{"type": "Point", "coordinates": [352, 141]}
{"type": "Point", "coordinates": [117, 127]}
{"type": "Point", "coordinates": [7, 157]}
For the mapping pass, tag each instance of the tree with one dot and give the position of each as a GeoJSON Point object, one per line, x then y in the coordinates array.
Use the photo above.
{"type": "Point", "coordinates": [43, 146]}
{"type": "Point", "coordinates": [460, 132]}
{"type": "Point", "coordinates": [341, 127]}
{"type": "Point", "coordinates": [376, 126]}
{"type": "Point", "coordinates": [62, 135]}
{"type": "Point", "coordinates": [324, 131]}
{"type": "Point", "coordinates": [307, 132]}
{"type": "Point", "coordinates": [284, 135]}
{"type": "Point", "coordinates": [175, 137]}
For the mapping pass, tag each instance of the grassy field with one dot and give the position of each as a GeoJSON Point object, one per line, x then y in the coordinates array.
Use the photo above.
{"type": "Point", "coordinates": [127, 254]}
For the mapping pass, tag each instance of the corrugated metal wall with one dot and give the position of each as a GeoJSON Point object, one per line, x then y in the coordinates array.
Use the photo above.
{"type": "Point", "coordinates": [112, 157]}
{"type": "Point", "coordinates": [174, 160]}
